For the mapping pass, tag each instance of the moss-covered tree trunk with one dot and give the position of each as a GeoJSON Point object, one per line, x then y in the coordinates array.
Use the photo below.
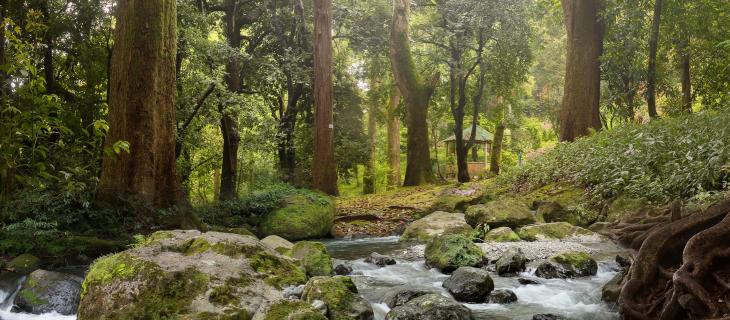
{"type": "Point", "coordinates": [580, 111]}
{"type": "Point", "coordinates": [494, 165]}
{"type": "Point", "coordinates": [651, 72]}
{"type": "Point", "coordinates": [416, 95]}
{"type": "Point", "coordinates": [142, 106]}
{"type": "Point", "coordinates": [324, 171]}
{"type": "Point", "coordinates": [393, 140]}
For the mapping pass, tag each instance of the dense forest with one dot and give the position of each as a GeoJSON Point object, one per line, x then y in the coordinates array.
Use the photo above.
{"type": "Point", "coordinates": [364, 159]}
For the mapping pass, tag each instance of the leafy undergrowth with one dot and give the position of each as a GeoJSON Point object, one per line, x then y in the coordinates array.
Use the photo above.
{"type": "Point", "coordinates": [386, 213]}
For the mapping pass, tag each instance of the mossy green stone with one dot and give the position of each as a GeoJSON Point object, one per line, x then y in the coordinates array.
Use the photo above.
{"type": "Point", "coordinates": [555, 230]}
{"type": "Point", "coordinates": [579, 263]}
{"type": "Point", "coordinates": [293, 310]}
{"type": "Point", "coordinates": [449, 252]}
{"type": "Point", "coordinates": [504, 212]}
{"type": "Point", "coordinates": [24, 263]}
{"type": "Point", "coordinates": [303, 217]}
{"type": "Point", "coordinates": [340, 295]}
{"type": "Point", "coordinates": [503, 234]}
{"type": "Point", "coordinates": [313, 257]}
{"type": "Point", "coordinates": [277, 272]}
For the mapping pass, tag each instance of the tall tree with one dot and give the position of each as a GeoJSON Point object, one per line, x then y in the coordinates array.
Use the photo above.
{"type": "Point", "coordinates": [651, 72]}
{"type": "Point", "coordinates": [142, 106]}
{"type": "Point", "coordinates": [373, 101]}
{"type": "Point", "coordinates": [393, 139]}
{"type": "Point", "coordinates": [416, 94]}
{"type": "Point", "coordinates": [324, 172]}
{"type": "Point", "coordinates": [581, 110]}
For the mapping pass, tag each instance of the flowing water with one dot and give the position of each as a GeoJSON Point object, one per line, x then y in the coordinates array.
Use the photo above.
{"type": "Point", "coordinates": [573, 298]}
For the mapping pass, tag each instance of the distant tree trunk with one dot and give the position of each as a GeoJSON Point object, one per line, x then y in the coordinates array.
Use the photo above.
{"type": "Point", "coordinates": [494, 166]}
{"type": "Point", "coordinates": [581, 110]}
{"type": "Point", "coordinates": [416, 95]}
{"type": "Point", "coordinates": [142, 107]}
{"type": "Point", "coordinates": [324, 171]}
{"type": "Point", "coordinates": [394, 140]}
{"type": "Point", "coordinates": [686, 76]}
{"type": "Point", "coordinates": [474, 154]}
{"type": "Point", "coordinates": [229, 125]}
{"type": "Point", "coordinates": [369, 177]}
{"type": "Point", "coordinates": [287, 124]}
{"type": "Point", "coordinates": [651, 73]}
{"type": "Point", "coordinates": [7, 175]}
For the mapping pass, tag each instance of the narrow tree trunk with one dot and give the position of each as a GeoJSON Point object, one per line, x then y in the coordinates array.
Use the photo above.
{"type": "Point", "coordinates": [416, 95]}
{"type": "Point", "coordinates": [287, 124]}
{"type": "Point", "coordinates": [142, 107]}
{"type": "Point", "coordinates": [581, 111]}
{"type": "Point", "coordinates": [393, 140]}
{"type": "Point", "coordinates": [369, 177]}
{"type": "Point", "coordinates": [651, 73]}
{"type": "Point", "coordinates": [494, 166]}
{"type": "Point", "coordinates": [7, 176]}
{"type": "Point", "coordinates": [686, 77]}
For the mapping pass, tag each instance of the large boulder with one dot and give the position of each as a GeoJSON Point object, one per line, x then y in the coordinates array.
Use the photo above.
{"type": "Point", "coordinates": [449, 252]}
{"type": "Point", "coordinates": [188, 274]}
{"type": "Point", "coordinates": [469, 284]}
{"type": "Point", "coordinates": [278, 244]}
{"type": "Point", "coordinates": [401, 295]}
{"type": "Point", "coordinates": [303, 217]}
{"type": "Point", "coordinates": [569, 264]}
{"type": "Point", "coordinates": [555, 212]}
{"type": "Point", "coordinates": [430, 307]}
{"type": "Point", "coordinates": [436, 224]}
{"type": "Point", "coordinates": [313, 257]}
{"type": "Point", "coordinates": [340, 295]}
{"type": "Point", "coordinates": [47, 291]}
{"type": "Point", "coordinates": [612, 289]}
{"type": "Point", "coordinates": [505, 212]}
{"type": "Point", "coordinates": [511, 262]}
{"type": "Point", "coordinates": [557, 231]}
{"type": "Point", "coordinates": [502, 296]}
{"type": "Point", "coordinates": [502, 234]}
{"type": "Point", "coordinates": [23, 264]}
{"type": "Point", "coordinates": [293, 310]}
{"type": "Point", "coordinates": [380, 260]}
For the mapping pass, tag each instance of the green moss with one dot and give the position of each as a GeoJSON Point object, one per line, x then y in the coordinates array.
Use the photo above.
{"type": "Point", "coordinates": [304, 217]}
{"type": "Point", "coordinates": [293, 309]}
{"type": "Point", "coordinates": [503, 234]}
{"type": "Point", "coordinates": [449, 252]}
{"type": "Point", "coordinates": [195, 246]}
{"type": "Point", "coordinates": [227, 294]}
{"type": "Point", "coordinates": [276, 271]}
{"type": "Point", "coordinates": [142, 241]}
{"type": "Point", "coordinates": [233, 314]}
{"type": "Point", "coordinates": [571, 258]}
{"type": "Point", "coordinates": [313, 257]}
{"type": "Point", "coordinates": [555, 230]}
{"type": "Point", "coordinates": [24, 263]}
{"type": "Point", "coordinates": [337, 292]}
{"type": "Point", "coordinates": [118, 267]}
{"type": "Point", "coordinates": [505, 212]}
{"type": "Point", "coordinates": [29, 295]}
{"type": "Point", "coordinates": [238, 231]}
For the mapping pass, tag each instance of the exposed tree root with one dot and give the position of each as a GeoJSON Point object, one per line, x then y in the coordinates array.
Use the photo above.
{"type": "Point", "coordinates": [682, 268]}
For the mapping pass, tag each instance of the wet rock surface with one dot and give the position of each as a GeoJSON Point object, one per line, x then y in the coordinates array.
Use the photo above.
{"type": "Point", "coordinates": [469, 284]}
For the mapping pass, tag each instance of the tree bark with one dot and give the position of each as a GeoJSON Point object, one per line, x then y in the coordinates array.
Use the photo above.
{"type": "Point", "coordinates": [686, 76]}
{"type": "Point", "coordinates": [394, 140]}
{"type": "Point", "coordinates": [324, 171]}
{"type": "Point", "coordinates": [581, 110]}
{"type": "Point", "coordinates": [494, 166]}
{"type": "Point", "coordinates": [7, 176]}
{"type": "Point", "coordinates": [651, 72]}
{"type": "Point", "coordinates": [369, 177]}
{"type": "Point", "coordinates": [142, 108]}
{"type": "Point", "coordinates": [416, 95]}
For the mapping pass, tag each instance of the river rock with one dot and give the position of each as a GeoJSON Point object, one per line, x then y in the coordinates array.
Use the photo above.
{"type": "Point", "coordinates": [293, 292]}
{"type": "Point", "coordinates": [502, 234]}
{"type": "Point", "coordinates": [624, 261]}
{"type": "Point", "coordinates": [313, 257]}
{"type": "Point", "coordinates": [343, 269]}
{"type": "Point", "coordinates": [188, 274]}
{"type": "Point", "coordinates": [278, 244]}
{"type": "Point", "coordinates": [302, 217]}
{"type": "Point", "coordinates": [469, 284]}
{"type": "Point", "coordinates": [380, 260]}
{"type": "Point", "coordinates": [511, 262]}
{"type": "Point", "coordinates": [502, 296]}
{"type": "Point", "coordinates": [557, 231]}
{"type": "Point", "coordinates": [23, 264]}
{"type": "Point", "coordinates": [47, 291]}
{"type": "Point", "coordinates": [554, 212]}
{"type": "Point", "coordinates": [449, 252]}
{"type": "Point", "coordinates": [568, 265]}
{"type": "Point", "coordinates": [525, 281]}
{"type": "Point", "coordinates": [340, 295]}
{"type": "Point", "coordinates": [612, 289]}
{"type": "Point", "coordinates": [399, 296]}
{"type": "Point", "coordinates": [436, 224]}
{"type": "Point", "coordinates": [430, 307]}
{"type": "Point", "coordinates": [293, 310]}
{"type": "Point", "coordinates": [506, 212]}
{"type": "Point", "coordinates": [547, 316]}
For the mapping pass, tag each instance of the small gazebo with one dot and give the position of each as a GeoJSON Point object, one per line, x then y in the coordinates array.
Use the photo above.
{"type": "Point", "coordinates": [483, 139]}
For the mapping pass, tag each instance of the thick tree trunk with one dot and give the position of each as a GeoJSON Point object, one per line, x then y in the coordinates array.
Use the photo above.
{"type": "Point", "coordinates": [494, 165]}
{"type": "Point", "coordinates": [416, 95]}
{"type": "Point", "coordinates": [686, 76]}
{"type": "Point", "coordinates": [581, 111]}
{"type": "Point", "coordinates": [393, 140]}
{"type": "Point", "coordinates": [142, 107]}
{"type": "Point", "coordinates": [369, 177]}
{"type": "Point", "coordinates": [324, 171]}
{"type": "Point", "coordinates": [651, 72]}
{"type": "Point", "coordinates": [287, 124]}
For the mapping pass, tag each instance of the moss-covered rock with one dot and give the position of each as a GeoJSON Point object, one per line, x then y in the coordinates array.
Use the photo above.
{"type": "Point", "coordinates": [503, 234]}
{"type": "Point", "coordinates": [564, 194]}
{"type": "Point", "coordinates": [430, 307]}
{"type": "Point", "coordinates": [624, 206]}
{"type": "Point", "coordinates": [293, 310]}
{"type": "Point", "coordinates": [244, 231]}
{"type": "Point", "coordinates": [557, 231]}
{"type": "Point", "coordinates": [187, 274]}
{"type": "Point", "coordinates": [436, 224]}
{"type": "Point", "coordinates": [555, 212]}
{"type": "Point", "coordinates": [47, 291]}
{"type": "Point", "coordinates": [505, 212]}
{"type": "Point", "coordinates": [313, 257]}
{"type": "Point", "coordinates": [449, 252]}
{"type": "Point", "coordinates": [24, 263]}
{"type": "Point", "coordinates": [569, 264]}
{"type": "Point", "coordinates": [303, 217]}
{"type": "Point", "coordinates": [340, 295]}
{"type": "Point", "coordinates": [278, 244]}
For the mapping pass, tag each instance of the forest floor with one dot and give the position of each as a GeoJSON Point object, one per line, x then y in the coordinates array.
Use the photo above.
{"type": "Point", "coordinates": [387, 213]}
